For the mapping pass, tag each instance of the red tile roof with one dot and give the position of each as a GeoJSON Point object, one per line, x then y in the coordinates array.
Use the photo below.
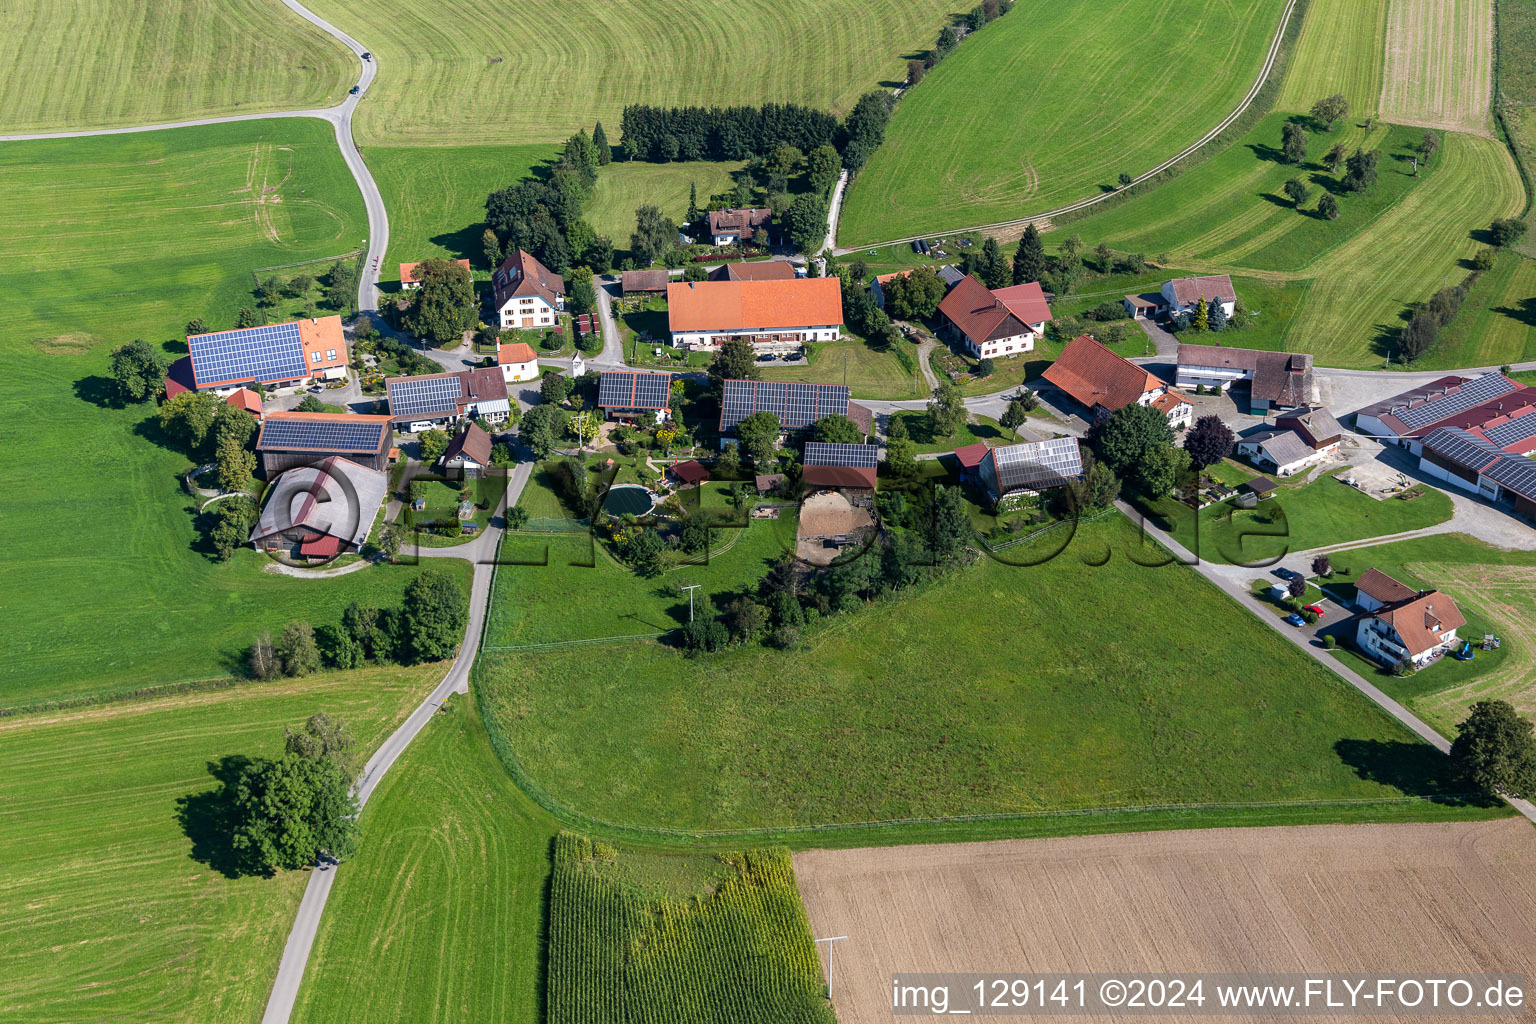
{"type": "Point", "coordinates": [321, 545]}
{"type": "Point", "coordinates": [1094, 375]}
{"type": "Point", "coordinates": [742, 223]}
{"type": "Point", "coordinates": [754, 305]}
{"type": "Point", "coordinates": [246, 399]}
{"type": "Point", "coordinates": [1377, 584]}
{"type": "Point", "coordinates": [971, 455]}
{"type": "Point", "coordinates": [521, 275]}
{"type": "Point", "coordinates": [1025, 301]}
{"type": "Point", "coordinates": [839, 476]}
{"type": "Point", "coordinates": [979, 314]}
{"type": "Point", "coordinates": [690, 472]}
{"type": "Point", "coordinates": [473, 442]}
{"type": "Point", "coordinates": [519, 352]}
{"type": "Point", "coordinates": [767, 270]}
{"type": "Point", "coordinates": [1422, 620]}
{"type": "Point", "coordinates": [408, 271]}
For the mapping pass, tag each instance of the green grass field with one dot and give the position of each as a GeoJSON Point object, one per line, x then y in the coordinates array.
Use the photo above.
{"type": "Point", "coordinates": [1050, 104]}
{"type": "Point", "coordinates": [96, 64]}
{"type": "Point", "coordinates": [1340, 50]}
{"type": "Point", "coordinates": [108, 910]}
{"type": "Point", "coordinates": [623, 188]}
{"type": "Point", "coordinates": [440, 916]}
{"type": "Point", "coordinates": [473, 71]}
{"type": "Point", "coordinates": [870, 721]}
{"type": "Point", "coordinates": [1498, 320]}
{"type": "Point", "coordinates": [868, 371]}
{"type": "Point", "coordinates": [110, 589]}
{"type": "Point", "coordinates": [1515, 64]}
{"type": "Point", "coordinates": [1439, 63]}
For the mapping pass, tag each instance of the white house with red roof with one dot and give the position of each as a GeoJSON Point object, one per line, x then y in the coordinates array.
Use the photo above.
{"type": "Point", "coordinates": [525, 293]}
{"type": "Point", "coordinates": [518, 362]}
{"type": "Point", "coordinates": [998, 322]}
{"type": "Point", "coordinates": [1398, 623]}
{"type": "Point", "coordinates": [1106, 382]}
{"type": "Point", "coordinates": [409, 280]}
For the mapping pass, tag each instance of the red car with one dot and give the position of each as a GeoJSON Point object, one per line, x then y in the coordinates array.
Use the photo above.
{"type": "Point", "coordinates": [1316, 609]}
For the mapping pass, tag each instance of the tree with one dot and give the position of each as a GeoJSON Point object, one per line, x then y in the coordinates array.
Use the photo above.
{"type": "Point", "coordinates": [1429, 145]}
{"type": "Point", "coordinates": [858, 271]}
{"type": "Point", "coordinates": [1296, 191]}
{"type": "Point", "coordinates": [985, 367]}
{"type": "Point", "coordinates": [432, 445]}
{"type": "Point", "coordinates": [1029, 257]}
{"type": "Point", "coordinates": [900, 456]}
{"type": "Point", "coordinates": [195, 326]}
{"type": "Point", "coordinates": [948, 526]}
{"type": "Point", "coordinates": [232, 522]}
{"type": "Point", "coordinates": [806, 222]}
{"type": "Point", "coordinates": [644, 551]}
{"type": "Point", "coordinates": [1494, 751]}
{"type": "Point", "coordinates": [1129, 435]}
{"type": "Point", "coordinates": [433, 616]}
{"type": "Point", "coordinates": [1296, 587]}
{"type": "Point", "coordinates": [267, 291]}
{"type": "Point", "coordinates": [262, 660]}
{"type": "Point", "coordinates": [946, 410]}
{"type": "Point", "coordinates": [759, 435]}
{"type": "Point", "coordinates": [693, 206]}
{"type": "Point", "coordinates": [1201, 321]}
{"type": "Point", "coordinates": [914, 295]}
{"type": "Point", "coordinates": [1360, 170]}
{"type": "Point", "coordinates": [296, 649]}
{"type": "Point", "coordinates": [1330, 109]}
{"type": "Point", "coordinates": [1328, 206]}
{"type": "Point", "coordinates": [341, 284]}
{"type": "Point", "coordinates": [1485, 260]}
{"type": "Point", "coordinates": [822, 168]}
{"type": "Point", "coordinates": [321, 738]}
{"type": "Point", "coordinates": [1125, 180]}
{"type": "Point", "coordinates": [1098, 487]}
{"type": "Point", "coordinates": [1218, 316]}
{"type": "Point", "coordinates": [836, 429]}
{"type": "Point", "coordinates": [137, 371]}
{"type": "Point", "coordinates": [1507, 231]}
{"type": "Point", "coordinates": [1209, 441]}
{"type": "Point", "coordinates": [993, 269]}
{"type": "Point", "coordinates": [728, 463]}
{"type": "Point", "coordinates": [365, 625]}
{"type": "Point", "coordinates": [735, 360]}
{"type": "Point", "coordinates": [445, 304]}
{"type": "Point", "coordinates": [695, 272]}
{"type": "Point", "coordinates": [542, 428]}
{"type": "Point", "coordinates": [235, 463]}
{"type": "Point", "coordinates": [1014, 416]}
{"type": "Point", "coordinates": [554, 387]}
{"type": "Point", "coordinates": [1334, 157]}
{"type": "Point", "coordinates": [247, 317]}
{"type": "Point", "coordinates": [1293, 143]}
{"type": "Point", "coordinates": [310, 403]}
{"type": "Point", "coordinates": [1322, 565]}
{"type": "Point", "coordinates": [1159, 470]}
{"type": "Point", "coordinates": [916, 69]}
{"type": "Point", "coordinates": [585, 426]}
{"type": "Point", "coordinates": [653, 235]}
{"type": "Point", "coordinates": [290, 810]}
{"type": "Point", "coordinates": [187, 419]}
{"type": "Point", "coordinates": [582, 297]}
{"type": "Point", "coordinates": [600, 144]}
{"type": "Point", "coordinates": [490, 247]}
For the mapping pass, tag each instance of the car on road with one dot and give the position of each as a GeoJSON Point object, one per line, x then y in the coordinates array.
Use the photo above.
{"type": "Point", "coordinates": [1287, 574]}
{"type": "Point", "coordinates": [355, 90]}
{"type": "Point", "coordinates": [1295, 620]}
{"type": "Point", "coordinates": [367, 55]}
{"type": "Point", "coordinates": [1316, 609]}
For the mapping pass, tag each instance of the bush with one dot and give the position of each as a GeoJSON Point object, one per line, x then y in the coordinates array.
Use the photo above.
{"type": "Point", "coordinates": [1105, 311]}
{"type": "Point", "coordinates": [1331, 642]}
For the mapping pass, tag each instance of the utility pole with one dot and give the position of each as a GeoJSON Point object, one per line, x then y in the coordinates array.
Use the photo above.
{"type": "Point", "coordinates": [691, 588]}
{"type": "Point", "coordinates": [831, 952]}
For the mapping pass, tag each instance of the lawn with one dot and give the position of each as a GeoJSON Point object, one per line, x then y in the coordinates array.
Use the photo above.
{"type": "Point", "coordinates": [1299, 517]}
{"type": "Point", "coordinates": [869, 372]}
{"type": "Point", "coordinates": [1074, 697]}
{"type": "Point", "coordinates": [1515, 63]}
{"type": "Point", "coordinates": [1340, 50]}
{"type": "Point", "coordinates": [111, 588]}
{"type": "Point", "coordinates": [1049, 105]}
{"type": "Point", "coordinates": [443, 499]}
{"type": "Point", "coordinates": [471, 71]}
{"type": "Point", "coordinates": [622, 188]}
{"type": "Point", "coordinates": [109, 910]}
{"type": "Point", "coordinates": [98, 64]}
{"type": "Point", "coordinates": [1494, 590]}
{"type": "Point", "coordinates": [441, 915]}
{"type": "Point", "coordinates": [976, 428]}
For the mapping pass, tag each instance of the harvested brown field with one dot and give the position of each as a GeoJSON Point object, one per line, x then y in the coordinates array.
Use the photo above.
{"type": "Point", "coordinates": [1327, 899]}
{"type": "Point", "coordinates": [1439, 64]}
{"type": "Point", "coordinates": [828, 514]}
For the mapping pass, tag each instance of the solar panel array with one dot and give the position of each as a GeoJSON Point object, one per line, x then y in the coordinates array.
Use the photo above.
{"type": "Point", "coordinates": [1514, 431]}
{"type": "Point", "coordinates": [859, 456]}
{"type": "Point", "coordinates": [796, 405]}
{"type": "Point", "coordinates": [617, 389]}
{"type": "Point", "coordinates": [425, 396]}
{"type": "Point", "coordinates": [322, 435]}
{"type": "Point", "coordinates": [265, 354]}
{"type": "Point", "coordinates": [1474, 392]}
{"type": "Point", "coordinates": [1516, 473]}
{"type": "Point", "coordinates": [1462, 447]}
{"type": "Point", "coordinates": [1037, 464]}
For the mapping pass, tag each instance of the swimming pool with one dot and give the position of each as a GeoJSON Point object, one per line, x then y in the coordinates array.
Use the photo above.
{"type": "Point", "coordinates": [627, 499]}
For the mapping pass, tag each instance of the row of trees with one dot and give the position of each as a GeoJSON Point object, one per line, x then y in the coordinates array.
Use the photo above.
{"type": "Point", "coordinates": [949, 36]}
{"type": "Point", "coordinates": [665, 134]}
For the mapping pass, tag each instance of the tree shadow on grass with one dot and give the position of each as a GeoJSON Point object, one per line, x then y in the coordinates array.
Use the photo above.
{"type": "Point", "coordinates": [1525, 312]}
{"type": "Point", "coordinates": [1413, 768]}
{"type": "Point", "coordinates": [99, 391]}
{"type": "Point", "coordinates": [208, 819]}
{"type": "Point", "coordinates": [464, 243]}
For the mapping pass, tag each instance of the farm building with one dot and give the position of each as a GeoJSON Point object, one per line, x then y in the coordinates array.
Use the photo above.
{"type": "Point", "coordinates": [1399, 624]}
{"type": "Point", "coordinates": [644, 282]}
{"type": "Point", "coordinates": [409, 280]}
{"type": "Point", "coordinates": [765, 270]}
{"type": "Point", "coordinates": [289, 439]}
{"type": "Point", "coordinates": [774, 316]}
{"type": "Point", "coordinates": [1183, 295]}
{"type": "Point", "coordinates": [1012, 473]}
{"type": "Point", "coordinates": [628, 394]}
{"type": "Point", "coordinates": [318, 512]}
{"type": "Point", "coordinates": [1103, 382]}
{"type": "Point", "coordinates": [997, 323]}
{"type": "Point", "coordinates": [969, 458]}
{"type": "Point", "coordinates": [276, 355]}
{"type": "Point", "coordinates": [948, 273]}
{"type": "Point", "coordinates": [469, 453]}
{"type": "Point", "coordinates": [1450, 401]}
{"type": "Point", "coordinates": [1280, 380]}
{"type": "Point", "coordinates": [525, 293]}
{"type": "Point", "coordinates": [796, 405]}
{"type": "Point", "coordinates": [1473, 461]}
{"type": "Point", "coordinates": [732, 227]}
{"type": "Point", "coordinates": [840, 465]}
{"type": "Point", "coordinates": [1283, 451]}
{"type": "Point", "coordinates": [1316, 426]}
{"type": "Point", "coordinates": [518, 362]}
{"type": "Point", "coordinates": [245, 400]}
{"type": "Point", "coordinates": [688, 473]}
{"type": "Point", "coordinates": [416, 403]}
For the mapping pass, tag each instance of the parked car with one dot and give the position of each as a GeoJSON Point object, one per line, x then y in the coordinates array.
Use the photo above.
{"type": "Point", "coordinates": [1295, 620]}
{"type": "Point", "coordinates": [316, 389]}
{"type": "Point", "coordinates": [1316, 609]}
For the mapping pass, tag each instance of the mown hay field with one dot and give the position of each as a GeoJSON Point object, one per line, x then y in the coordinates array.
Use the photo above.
{"type": "Point", "coordinates": [477, 71]}
{"type": "Point", "coordinates": [99, 64]}
{"type": "Point", "coordinates": [1439, 64]}
{"type": "Point", "coordinates": [109, 908]}
{"type": "Point", "coordinates": [110, 586]}
{"type": "Point", "coordinates": [1443, 897]}
{"type": "Point", "coordinates": [1340, 50]}
{"type": "Point", "coordinates": [1049, 104]}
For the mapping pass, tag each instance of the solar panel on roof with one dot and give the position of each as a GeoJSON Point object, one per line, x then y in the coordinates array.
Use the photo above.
{"type": "Point", "coordinates": [859, 456]}
{"type": "Point", "coordinates": [1513, 432]}
{"type": "Point", "coordinates": [1516, 473]}
{"type": "Point", "coordinates": [617, 389]}
{"type": "Point", "coordinates": [419, 396]}
{"type": "Point", "coordinates": [321, 435]}
{"type": "Point", "coordinates": [265, 354]}
{"type": "Point", "coordinates": [1474, 392]}
{"type": "Point", "coordinates": [796, 405]}
{"type": "Point", "coordinates": [1037, 464]}
{"type": "Point", "coordinates": [1462, 447]}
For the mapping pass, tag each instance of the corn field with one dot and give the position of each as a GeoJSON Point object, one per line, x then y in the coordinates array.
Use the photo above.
{"type": "Point", "coordinates": [742, 953]}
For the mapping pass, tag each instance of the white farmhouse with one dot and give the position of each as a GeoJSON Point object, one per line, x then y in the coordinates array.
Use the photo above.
{"type": "Point", "coordinates": [525, 293]}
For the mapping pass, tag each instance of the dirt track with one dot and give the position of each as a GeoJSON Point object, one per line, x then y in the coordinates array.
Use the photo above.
{"type": "Point", "coordinates": [1336, 898]}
